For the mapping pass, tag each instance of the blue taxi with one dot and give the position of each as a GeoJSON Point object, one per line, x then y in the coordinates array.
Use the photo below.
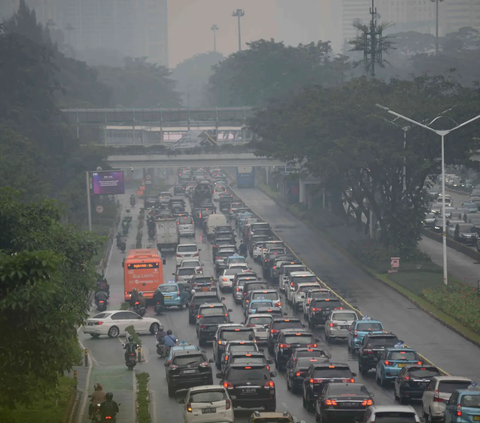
{"type": "Point", "coordinates": [464, 406]}
{"type": "Point", "coordinates": [236, 259]}
{"type": "Point", "coordinates": [359, 329]}
{"type": "Point", "coordinates": [171, 294]}
{"type": "Point", "coordinates": [393, 360]}
{"type": "Point", "coordinates": [254, 304]}
{"type": "Point", "coordinates": [183, 346]}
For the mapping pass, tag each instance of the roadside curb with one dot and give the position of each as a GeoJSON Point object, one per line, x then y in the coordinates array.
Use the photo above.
{"type": "Point", "coordinates": [457, 246]}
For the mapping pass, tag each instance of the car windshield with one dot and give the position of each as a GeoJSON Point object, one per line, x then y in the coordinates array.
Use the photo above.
{"type": "Point", "coordinates": [233, 271]}
{"type": "Point", "coordinates": [225, 254]}
{"type": "Point", "coordinates": [256, 304]}
{"type": "Point", "coordinates": [299, 339]}
{"type": "Point", "coordinates": [190, 263]}
{"type": "Point", "coordinates": [267, 296]}
{"type": "Point", "coordinates": [185, 220]}
{"type": "Point", "coordinates": [430, 216]}
{"type": "Point", "coordinates": [242, 348]}
{"type": "Point", "coordinates": [204, 311]}
{"type": "Point", "coordinates": [305, 288]}
{"type": "Point", "coordinates": [403, 355]}
{"type": "Point", "coordinates": [287, 324]}
{"type": "Point", "coordinates": [203, 300]}
{"type": "Point", "coordinates": [263, 320]}
{"type": "Point", "coordinates": [338, 372]}
{"type": "Point", "coordinates": [350, 389]}
{"type": "Point", "coordinates": [471, 401]}
{"type": "Point", "coordinates": [168, 288]}
{"type": "Point", "coordinates": [382, 342]}
{"type": "Point", "coordinates": [209, 320]}
{"type": "Point", "coordinates": [232, 335]}
{"type": "Point", "coordinates": [331, 303]}
{"type": "Point", "coordinates": [247, 360]}
{"type": "Point", "coordinates": [423, 372]}
{"type": "Point", "coordinates": [366, 327]}
{"type": "Point", "coordinates": [188, 360]}
{"type": "Point", "coordinates": [187, 249]}
{"type": "Point", "coordinates": [467, 228]}
{"type": "Point", "coordinates": [237, 260]}
{"type": "Point", "coordinates": [208, 396]}
{"type": "Point", "coordinates": [394, 417]}
{"type": "Point", "coordinates": [343, 316]}
{"type": "Point", "coordinates": [450, 386]}
{"type": "Point", "coordinates": [254, 286]}
{"type": "Point", "coordinates": [248, 374]}
{"type": "Point", "coordinates": [204, 279]}
{"type": "Point", "coordinates": [271, 245]}
{"type": "Point", "coordinates": [303, 279]}
{"type": "Point", "coordinates": [183, 271]}
{"type": "Point", "coordinates": [321, 294]}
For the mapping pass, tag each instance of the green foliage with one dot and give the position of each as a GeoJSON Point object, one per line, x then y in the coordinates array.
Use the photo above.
{"type": "Point", "coordinates": [124, 306]}
{"type": "Point", "coordinates": [131, 331]}
{"type": "Point", "coordinates": [460, 301]}
{"type": "Point", "coordinates": [268, 70]}
{"type": "Point", "coordinates": [143, 398]}
{"type": "Point", "coordinates": [45, 279]}
{"type": "Point", "coordinates": [192, 77]}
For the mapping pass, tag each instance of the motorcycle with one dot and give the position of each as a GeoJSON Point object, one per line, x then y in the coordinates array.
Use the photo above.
{"type": "Point", "coordinates": [131, 361]}
{"type": "Point", "coordinates": [140, 310]}
{"type": "Point", "coordinates": [125, 230]}
{"type": "Point", "coordinates": [132, 202]}
{"type": "Point", "coordinates": [158, 308]}
{"type": "Point", "coordinates": [101, 305]}
{"type": "Point", "coordinates": [151, 233]}
{"type": "Point", "coordinates": [161, 350]}
{"type": "Point", "coordinates": [96, 417]}
{"type": "Point", "coordinates": [109, 418]}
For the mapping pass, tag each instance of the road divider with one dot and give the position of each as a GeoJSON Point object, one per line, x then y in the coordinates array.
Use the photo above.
{"type": "Point", "coordinates": [143, 398]}
{"type": "Point", "coordinates": [457, 246]}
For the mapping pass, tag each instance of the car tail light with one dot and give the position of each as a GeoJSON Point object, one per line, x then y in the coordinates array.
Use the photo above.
{"type": "Point", "coordinates": [368, 351]}
{"type": "Point", "coordinates": [173, 367]}
{"type": "Point", "coordinates": [250, 326]}
{"type": "Point", "coordinates": [333, 325]}
{"type": "Point", "coordinates": [367, 402]}
{"type": "Point", "coordinates": [195, 255]}
{"type": "Point", "coordinates": [228, 385]}
{"type": "Point", "coordinates": [228, 404]}
{"type": "Point", "coordinates": [199, 316]}
{"type": "Point", "coordinates": [178, 292]}
{"type": "Point", "coordinates": [436, 397]}
{"type": "Point", "coordinates": [189, 407]}
{"type": "Point", "coordinates": [407, 377]}
{"type": "Point", "coordinates": [224, 279]}
{"type": "Point", "coordinates": [219, 342]}
{"type": "Point", "coordinates": [192, 305]}
{"type": "Point", "coordinates": [299, 374]}
{"type": "Point", "coordinates": [316, 380]}
{"type": "Point", "coordinates": [179, 255]}
{"type": "Point", "coordinates": [419, 363]}
{"type": "Point", "coordinates": [338, 308]}
{"type": "Point", "coordinates": [108, 417]}
{"type": "Point", "coordinates": [285, 345]}
{"type": "Point", "coordinates": [218, 258]}
{"type": "Point", "coordinates": [330, 402]}
{"type": "Point", "coordinates": [311, 345]}
{"type": "Point", "coordinates": [269, 384]}
{"type": "Point", "coordinates": [316, 309]}
{"type": "Point", "coordinates": [274, 330]}
{"type": "Point", "coordinates": [99, 322]}
{"type": "Point", "coordinates": [459, 410]}
{"type": "Point", "coordinates": [352, 380]}
{"type": "Point", "coordinates": [101, 301]}
{"type": "Point", "coordinates": [203, 327]}
{"type": "Point", "coordinates": [387, 363]}
{"type": "Point", "coordinates": [238, 289]}
{"type": "Point", "coordinates": [279, 304]}
{"type": "Point", "coordinates": [204, 364]}
{"type": "Point", "coordinates": [274, 267]}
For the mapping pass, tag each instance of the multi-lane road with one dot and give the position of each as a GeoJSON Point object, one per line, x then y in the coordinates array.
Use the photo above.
{"type": "Point", "coordinates": [447, 350]}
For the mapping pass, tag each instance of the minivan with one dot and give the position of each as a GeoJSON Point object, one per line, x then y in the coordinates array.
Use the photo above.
{"type": "Point", "coordinates": [213, 221]}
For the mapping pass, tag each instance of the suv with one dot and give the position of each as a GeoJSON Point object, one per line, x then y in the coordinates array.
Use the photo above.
{"type": "Point", "coordinates": [359, 329]}
{"type": "Point", "coordinates": [288, 340]}
{"type": "Point", "coordinates": [299, 295]}
{"type": "Point", "coordinates": [320, 309]}
{"type": "Point", "coordinates": [392, 361]}
{"type": "Point", "coordinates": [315, 293]}
{"type": "Point", "coordinates": [221, 258]}
{"type": "Point", "coordinates": [209, 309]}
{"type": "Point", "coordinates": [249, 358]}
{"type": "Point", "coordinates": [265, 416]}
{"type": "Point", "coordinates": [372, 348]}
{"type": "Point", "coordinates": [319, 375]}
{"type": "Point", "coordinates": [207, 326]}
{"type": "Point", "coordinates": [237, 285]}
{"type": "Point", "coordinates": [226, 333]}
{"type": "Point", "coordinates": [222, 242]}
{"type": "Point", "coordinates": [198, 299]}
{"type": "Point", "coordinates": [294, 279]}
{"type": "Point", "coordinates": [250, 386]}
{"type": "Point", "coordinates": [188, 368]}
{"type": "Point", "coordinates": [235, 347]}
{"type": "Point", "coordinates": [251, 286]}
{"type": "Point", "coordinates": [265, 294]}
{"type": "Point", "coordinates": [413, 380]}
{"type": "Point", "coordinates": [276, 267]}
{"type": "Point", "coordinates": [276, 326]}
{"type": "Point", "coordinates": [285, 270]}
{"type": "Point", "coordinates": [185, 251]}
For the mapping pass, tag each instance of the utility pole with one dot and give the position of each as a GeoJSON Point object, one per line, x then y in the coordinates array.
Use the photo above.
{"type": "Point", "coordinates": [436, 24]}
{"type": "Point", "coordinates": [214, 29]}
{"type": "Point", "coordinates": [239, 13]}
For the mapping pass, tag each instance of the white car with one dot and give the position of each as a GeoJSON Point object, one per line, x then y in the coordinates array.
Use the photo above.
{"type": "Point", "coordinates": [226, 279]}
{"type": "Point", "coordinates": [338, 323]}
{"type": "Point", "coordinates": [257, 250]}
{"type": "Point", "coordinates": [192, 263]}
{"type": "Point", "coordinates": [114, 322]}
{"type": "Point", "coordinates": [185, 251]}
{"type": "Point", "coordinates": [391, 413]}
{"type": "Point", "coordinates": [296, 278]}
{"type": "Point", "coordinates": [186, 226]}
{"type": "Point", "coordinates": [210, 403]}
{"type": "Point", "coordinates": [301, 293]}
{"type": "Point", "coordinates": [260, 324]}
{"type": "Point", "coordinates": [219, 189]}
{"type": "Point", "coordinates": [438, 393]}
{"type": "Point", "coordinates": [285, 274]}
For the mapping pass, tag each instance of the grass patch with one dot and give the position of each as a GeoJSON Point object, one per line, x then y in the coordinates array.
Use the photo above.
{"type": "Point", "coordinates": [125, 306]}
{"type": "Point", "coordinates": [50, 409]}
{"type": "Point", "coordinates": [143, 398]}
{"type": "Point", "coordinates": [416, 282]}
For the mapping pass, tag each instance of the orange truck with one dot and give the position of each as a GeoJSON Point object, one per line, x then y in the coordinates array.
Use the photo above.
{"type": "Point", "coordinates": [143, 269]}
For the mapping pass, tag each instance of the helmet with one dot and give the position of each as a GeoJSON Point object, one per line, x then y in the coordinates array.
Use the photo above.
{"type": "Point", "coordinates": [160, 327]}
{"type": "Point", "coordinates": [134, 290]}
{"type": "Point", "coordinates": [130, 339]}
{"type": "Point", "coordinates": [109, 396]}
{"type": "Point", "coordinates": [97, 387]}
{"type": "Point", "coordinates": [140, 293]}
{"type": "Point", "coordinates": [169, 332]}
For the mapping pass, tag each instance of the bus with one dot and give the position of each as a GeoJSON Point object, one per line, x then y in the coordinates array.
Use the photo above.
{"type": "Point", "coordinates": [245, 177]}
{"type": "Point", "coordinates": [143, 269]}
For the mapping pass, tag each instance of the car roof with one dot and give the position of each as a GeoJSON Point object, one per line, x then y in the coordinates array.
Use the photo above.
{"type": "Point", "coordinates": [241, 328]}
{"type": "Point", "coordinates": [380, 335]}
{"type": "Point", "coordinates": [410, 366]}
{"type": "Point", "coordinates": [183, 245]}
{"type": "Point", "coordinates": [296, 330]}
{"type": "Point", "coordinates": [286, 319]}
{"type": "Point", "coordinates": [392, 407]}
{"type": "Point", "coordinates": [206, 294]}
{"type": "Point", "coordinates": [250, 353]}
{"type": "Point", "coordinates": [259, 314]}
{"type": "Point", "coordinates": [264, 291]}
{"type": "Point", "coordinates": [452, 378]}
{"type": "Point", "coordinates": [185, 347]}
{"type": "Point", "coordinates": [212, 305]}
{"type": "Point", "coordinates": [328, 364]}
{"type": "Point", "coordinates": [265, 310]}
{"type": "Point", "coordinates": [206, 388]}
{"type": "Point", "coordinates": [177, 353]}
{"type": "Point", "coordinates": [400, 349]}
{"type": "Point", "coordinates": [230, 325]}
{"type": "Point", "coordinates": [301, 273]}
{"type": "Point", "coordinates": [368, 320]}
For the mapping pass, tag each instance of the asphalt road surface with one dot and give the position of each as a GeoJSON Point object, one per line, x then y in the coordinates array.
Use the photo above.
{"type": "Point", "coordinates": [446, 349]}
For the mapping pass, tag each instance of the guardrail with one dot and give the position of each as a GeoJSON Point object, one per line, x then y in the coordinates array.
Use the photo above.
{"type": "Point", "coordinates": [462, 248]}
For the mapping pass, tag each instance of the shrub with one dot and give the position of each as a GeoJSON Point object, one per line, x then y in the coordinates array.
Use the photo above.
{"type": "Point", "coordinates": [143, 398]}
{"type": "Point", "coordinates": [131, 331]}
{"type": "Point", "coordinates": [459, 300]}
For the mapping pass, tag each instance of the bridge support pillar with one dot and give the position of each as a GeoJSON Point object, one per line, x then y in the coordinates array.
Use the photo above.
{"type": "Point", "coordinates": [302, 194]}
{"type": "Point", "coordinates": [267, 174]}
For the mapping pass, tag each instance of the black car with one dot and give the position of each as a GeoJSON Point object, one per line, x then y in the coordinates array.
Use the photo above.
{"type": "Point", "coordinates": [188, 368]}
{"type": "Point", "coordinates": [413, 380]}
{"type": "Point", "coordinates": [347, 401]}
{"type": "Point", "coordinates": [276, 326]}
{"type": "Point", "coordinates": [276, 266]}
{"type": "Point", "coordinates": [287, 341]}
{"type": "Point", "coordinates": [207, 327]}
{"type": "Point", "coordinates": [373, 345]}
{"type": "Point", "coordinates": [222, 242]}
{"type": "Point", "coordinates": [252, 286]}
{"type": "Point", "coordinates": [320, 309]}
{"type": "Point", "coordinates": [249, 358]}
{"type": "Point", "coordinates": [230, 333]}
{"type": "Point", "coordinates": [250, 386]}
{"type": "Point", "coordinates": [237, 347]}
{"type": "Point", "coordinates": [319, 375]}
{"type": "Point", "coordinates": [206, 283]}
{"type": "Point", "coordinates": [297, 370]}
{"type": "Point", "coordinates": [178, 190]}
{"type": "Point", "coordinates": [225, 230]}
{"type": "Point", "coordinates": [198, 299]}
{"type": "Point", "coordinates": [210, 309]}
{"type": "Point", "coordinates": [273, 311]}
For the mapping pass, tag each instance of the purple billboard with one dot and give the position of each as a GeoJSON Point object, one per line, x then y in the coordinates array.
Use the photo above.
{"type": "Point", "coordinates": [109, 182]}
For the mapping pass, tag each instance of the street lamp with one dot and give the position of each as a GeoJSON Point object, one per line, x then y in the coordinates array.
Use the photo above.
{"type": "Point", "coordinates": [239, 13]}
{"type": "Point", "coordinates": [436, 24]}
{"type": "Point", "coordinates": [214, 29]}
{"type": "Point", "coordinates": [442, 134]}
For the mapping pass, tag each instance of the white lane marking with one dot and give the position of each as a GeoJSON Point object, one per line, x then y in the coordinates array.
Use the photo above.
{"type": "Point", "coordinates": [134, 396]}
{"type": "Point", "coordinates": [85, 394]}
{"type": "Point", "coordinates": [90, 356]}
{"type": "Point", "coordinates": [153, 403]}
{"type": "Point", "coordinates": [285, 406]}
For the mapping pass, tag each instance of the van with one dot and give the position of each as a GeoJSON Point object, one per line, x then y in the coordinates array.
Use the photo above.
{"type": "Point", "coordinates": [213, 221]}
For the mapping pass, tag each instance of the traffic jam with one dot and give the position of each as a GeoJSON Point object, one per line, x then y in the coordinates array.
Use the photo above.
{"type": "Point", "coordinates": [282, 323]}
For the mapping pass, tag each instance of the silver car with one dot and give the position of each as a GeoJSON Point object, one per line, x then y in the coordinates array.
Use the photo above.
{"type": "Point", "coordinates": [185, 274]}
{"type": "Point", "coordinates": [336, 326]}
{"type": "Point", "coordinates": [186, 226]}
{"type": "Point", "coordinates": [260, 324]}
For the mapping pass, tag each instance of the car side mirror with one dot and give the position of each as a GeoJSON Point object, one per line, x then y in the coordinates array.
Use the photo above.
{"type": "Point", "coordinates": [230, 310]}
{"type": "Point", "coordinates": [221, 299]}
{"type": "Point", "coordinates": [372, 394]}
{"type": "Point", "coordinates": [285, 314]}
{"type": "Point", "coordinates": [262, 350]}
{"type": "Point", "coordinates": [401, 341]}
{"type": "Point", "coordinates": [317, 340]}
{"type": "Point", "coordinates": [269, 361]}
{"type": "Point", "coordinates": [173, 274]}
{"type": "Point", "coordinates": [354, 374]}
{"type": "Point", "coordinates": [219, 375]}
{"type": "Point", "coordinates": [211, 360]}
{"type": "Point", "coordinates": [199, 249]}
{"type": "Point", "coordinates": [181, 401]}
{"type": "Point", "coordinates": [273, 374]}
{"type": "Point", "coordinates": [304, 325]}
{"type": "Point", "coordinates": [164, 261]}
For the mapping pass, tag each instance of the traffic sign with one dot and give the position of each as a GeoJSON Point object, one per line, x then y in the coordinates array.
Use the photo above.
{"type": "Point", "coordinates": [149, 177]}
{"type": "Point", "coordinates": [148, 182]}
{"type": "Point", "coordinates": [99, 209]}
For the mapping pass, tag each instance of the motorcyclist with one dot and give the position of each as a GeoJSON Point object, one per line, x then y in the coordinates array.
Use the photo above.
{"type": "Point", "coordinates": [132, 200]}
{"type": "Point", "coordinates": [184, 295]}
{"type": "Point", "coordinates": [170, 340]}
{"type": "Point", "coordinates": [243, 248]}
{"type": "Point", "coordinates": [101, 296]}
{"type": "Point", "coordinates": [130, 347]}
{"type": "Point", "coordinates": [159, 298]}
{"type": "Point", "coordinates": [142, 302]}
{"type": "Point", "coordinates": [134, 296]}
{"type": "Point", "coordinates": [98, 396]}
{"type": "Point", "coordinates": [109, 408]}
{"type": "Point", "coordinates": [103, 285]}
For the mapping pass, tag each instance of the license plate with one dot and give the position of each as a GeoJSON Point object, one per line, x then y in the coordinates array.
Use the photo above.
{"type": "Point", "coordinates": [476, 418]}
{"type": "Point", "coordinates": [90, 324]}
{"type": "Point", "coordinates": [188, 371]}
{"type": "Point", "coordinates": [168, 298]}
{"type": "Point", "coordinates": [375, 358]}
{"type": "Point", "coordinates": [343, 327]}
{"type": "Point", "coordinates": [402, 365]}
{"type": "Point", "coordinates": [208, 410]}
{"type": "Point", "coordinates": [249, 391]}
{"type": "Point", "coordinates": [350, 404]}
{"type": "Point", "coordinates": [261, 330]}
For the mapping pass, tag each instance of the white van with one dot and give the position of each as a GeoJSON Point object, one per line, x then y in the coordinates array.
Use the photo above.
{"type": "Point", "coordinates": [213, 221]}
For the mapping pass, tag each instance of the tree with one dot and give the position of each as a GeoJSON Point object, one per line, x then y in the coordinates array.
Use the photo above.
{"type": "Point", "coordinates": [342, 137]}
{"type": "Point", "coordinates": [192, 77]}
{"type": "Point", "coordinates": [45, 279]}
{"type": "Point", "coordinates": [268, 70]}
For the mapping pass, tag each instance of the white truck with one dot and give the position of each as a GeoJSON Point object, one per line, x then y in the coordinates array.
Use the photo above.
{"type": "Point", "coordinates": [167, 234]}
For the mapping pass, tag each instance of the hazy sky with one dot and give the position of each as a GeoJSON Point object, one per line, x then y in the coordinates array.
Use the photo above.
{"type": "Point", "coordinates": [190, 23]}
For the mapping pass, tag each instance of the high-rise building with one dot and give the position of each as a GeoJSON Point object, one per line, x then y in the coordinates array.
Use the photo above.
{"type": "Point", "coordinates": [298, 22]}
{"type": "Point", "coordinates": [460, 13]}
{"type": "Point", "coordinates": [354, 11]}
